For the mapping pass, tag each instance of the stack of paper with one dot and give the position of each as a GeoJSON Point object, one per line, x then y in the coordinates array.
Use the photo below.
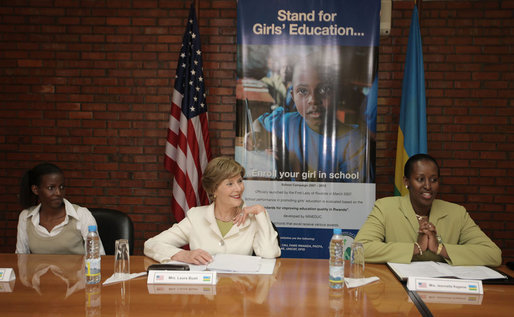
{"type": "Point", "coordinates": [235, 263]}
{"type": "Point", "coordinates": [440, 269]}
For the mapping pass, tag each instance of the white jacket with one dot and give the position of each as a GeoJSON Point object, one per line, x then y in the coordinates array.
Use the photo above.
{"type": "Point", "coordinates": [200, 230]}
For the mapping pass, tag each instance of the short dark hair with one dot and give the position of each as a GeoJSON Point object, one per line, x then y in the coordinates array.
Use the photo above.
{"type": "Point", "coordinates": [33, 177]}
{"type": "Point", "coordinates": [416, 158]}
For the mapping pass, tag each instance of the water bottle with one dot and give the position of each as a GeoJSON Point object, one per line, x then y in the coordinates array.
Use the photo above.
{"type": "Point", "coordinates": [336, 262]}
{"type": "Point", "coordinates": [92, 256]}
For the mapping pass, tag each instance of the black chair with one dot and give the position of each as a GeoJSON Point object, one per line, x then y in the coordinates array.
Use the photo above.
{"type": "Point", "coordinates": [278, 234]}
{"type": "Point", "coordinates": [113, 225]}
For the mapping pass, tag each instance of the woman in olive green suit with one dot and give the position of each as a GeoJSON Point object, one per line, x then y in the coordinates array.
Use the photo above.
{"type": "Point", "coordinates": [418, 227]}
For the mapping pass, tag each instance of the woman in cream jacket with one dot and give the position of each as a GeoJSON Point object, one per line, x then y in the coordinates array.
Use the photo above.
{"type": "Point", "coordinates": [225, 226]}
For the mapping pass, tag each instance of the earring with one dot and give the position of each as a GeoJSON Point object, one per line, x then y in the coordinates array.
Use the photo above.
{"type": "Point", "coordinates": [214, 197]}
{"type": "Point", "coordinates": [406, 186]}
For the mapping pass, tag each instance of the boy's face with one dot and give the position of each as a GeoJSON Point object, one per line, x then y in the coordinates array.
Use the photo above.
{"type": "Point", "coordinates": [312, 96]}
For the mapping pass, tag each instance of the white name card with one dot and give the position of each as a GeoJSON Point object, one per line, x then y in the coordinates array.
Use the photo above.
{"type": "Point", "coordinates": [445, 285]}
{"type": "Point", "coordinates": [182, 277]}
{"type": "Point", "coordinates": [7, 275]}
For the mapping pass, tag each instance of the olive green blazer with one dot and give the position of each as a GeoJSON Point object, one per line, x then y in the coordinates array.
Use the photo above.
{"type": "Point", "coordinates": [389, 233]}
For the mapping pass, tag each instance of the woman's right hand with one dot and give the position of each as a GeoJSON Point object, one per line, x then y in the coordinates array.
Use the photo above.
{"type": "Point", "coordinates": [240, 218]}
{"type": "Point", "coordinates": [198, 257]}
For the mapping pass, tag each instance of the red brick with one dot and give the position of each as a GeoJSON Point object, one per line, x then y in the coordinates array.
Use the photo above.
{"type": "Point", "coordinates": [29, 63]}
{"type": "Point", "coordinates": [112, 74]}
{"type": "Point", "coordinates": [117, 21]}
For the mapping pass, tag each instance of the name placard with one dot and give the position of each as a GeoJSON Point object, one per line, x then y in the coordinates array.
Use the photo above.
{"type": "Point", "coordinates": [445, 285]}
{"type": "Point", "coordinates": [182, 277]}
{"type": "Point", "coordinates": [7, 275]}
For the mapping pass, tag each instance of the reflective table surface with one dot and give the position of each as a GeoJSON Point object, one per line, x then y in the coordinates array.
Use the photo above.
{"type": "Point", "coordinates": [53, 285]}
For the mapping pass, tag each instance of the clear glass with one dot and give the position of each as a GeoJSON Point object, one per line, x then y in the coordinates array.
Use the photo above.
{"type": "Point", "coordinates": [357, 260]}
{"type": "Point", "coordinates": [121, 258]}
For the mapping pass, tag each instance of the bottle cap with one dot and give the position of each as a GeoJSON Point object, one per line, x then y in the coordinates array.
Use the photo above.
{"type": "Point", "coordinates": [338, 231]}
{"type": "Point", "coordinates": [91, 228]}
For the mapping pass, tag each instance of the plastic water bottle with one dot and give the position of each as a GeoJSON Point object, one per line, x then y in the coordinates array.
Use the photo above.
{"type": "Point", "coordinates": [336, 262]}
{"type": "Point", "coordinates": [92, 256]}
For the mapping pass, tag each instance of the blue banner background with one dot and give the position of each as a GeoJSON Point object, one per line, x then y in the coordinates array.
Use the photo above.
{"type": "Point", "coordinates": [308, 243]}
{"type": "Point", "coordinates": [361, 16]}
{"type": "Point", "coordinates": [266, 34]}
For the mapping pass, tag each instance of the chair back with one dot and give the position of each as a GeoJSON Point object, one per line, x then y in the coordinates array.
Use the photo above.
{"type": "Point", "coordinates": [278, 234]}
{"type": "Point", "coordinates": [113, 225]}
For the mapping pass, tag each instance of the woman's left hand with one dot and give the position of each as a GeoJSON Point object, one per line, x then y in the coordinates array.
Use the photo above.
{"type": "Point", "coordinates": [240, 218]}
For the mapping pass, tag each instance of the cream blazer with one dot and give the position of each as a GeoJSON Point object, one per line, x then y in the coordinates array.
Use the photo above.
{"type": "Point", "coordinates": [200, 230]}
{"type": "Point", "coordinates": [391, 229]}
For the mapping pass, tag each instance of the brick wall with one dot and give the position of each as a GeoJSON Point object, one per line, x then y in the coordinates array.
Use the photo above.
{"type": "Point", "coordinates": [87, 85]}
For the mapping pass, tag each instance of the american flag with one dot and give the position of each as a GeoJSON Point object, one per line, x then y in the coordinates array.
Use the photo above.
{"type": "Point", "coordinates": [187, 146]}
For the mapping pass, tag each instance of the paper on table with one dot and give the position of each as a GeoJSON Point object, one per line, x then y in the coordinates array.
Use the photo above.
{"type": "Point", "coordinates": [115, 278]}
{"type": "Point", "coordinates": [474, 272]}
{"type": "Point", "coordinates": [234, 263]}
{"type": "Point", "coordinates": [356, 282]}
{"type": "Point", "coordinates": [439, 269]}
{"type": "Point", "coordinates": [266, 266]}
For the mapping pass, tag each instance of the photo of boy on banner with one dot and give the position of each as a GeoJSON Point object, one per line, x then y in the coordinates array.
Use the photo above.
{"type": "Point", "coordinates": [316, 129]}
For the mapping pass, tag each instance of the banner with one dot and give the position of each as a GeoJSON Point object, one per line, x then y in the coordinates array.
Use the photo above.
{"type": "Point", "coordinates": [306, 99]}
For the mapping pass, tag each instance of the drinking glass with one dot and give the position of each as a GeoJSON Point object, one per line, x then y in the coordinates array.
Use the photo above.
{"type": "Point", "coordinates": [121, 258]}
{"type": "Point", "coordinates": [357, 260]}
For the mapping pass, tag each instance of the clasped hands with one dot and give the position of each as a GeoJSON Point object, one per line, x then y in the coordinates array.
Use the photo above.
{"type": "Point", "coordinates": [202, 257]}
{"type": "Point", "coordinates": [427, 237]}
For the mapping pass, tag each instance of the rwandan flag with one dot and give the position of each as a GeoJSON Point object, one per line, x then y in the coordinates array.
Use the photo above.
{"type": "Point", "coordinates": [412, 131]}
